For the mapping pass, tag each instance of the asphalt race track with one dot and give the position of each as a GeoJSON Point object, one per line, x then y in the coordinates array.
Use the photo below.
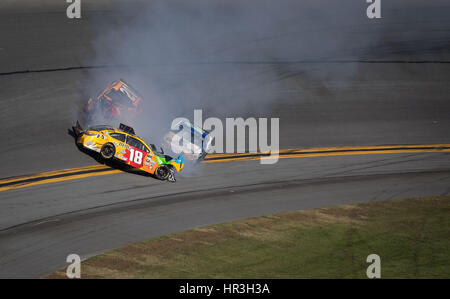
{"type": "Point", "coordinates": [397, 94]}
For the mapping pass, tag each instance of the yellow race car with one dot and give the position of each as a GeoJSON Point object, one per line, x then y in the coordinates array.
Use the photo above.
{"type": "Point", "coordinates": [123, 145]}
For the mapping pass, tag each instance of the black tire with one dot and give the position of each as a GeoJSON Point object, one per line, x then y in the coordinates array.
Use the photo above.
{"type": "Point", "coordinates": [108, 151]}
{"type": "Point", "coordinates": [165, 173]}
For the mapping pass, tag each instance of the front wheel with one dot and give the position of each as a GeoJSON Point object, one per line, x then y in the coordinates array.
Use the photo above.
{"type": "Point", "coordinates": [108, 150]}
{"type": "Point", "coordinates": [165, 173]}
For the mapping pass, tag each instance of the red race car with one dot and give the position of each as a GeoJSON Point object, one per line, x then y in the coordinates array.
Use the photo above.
{"type": "Point", "coordinates": [119, 101]}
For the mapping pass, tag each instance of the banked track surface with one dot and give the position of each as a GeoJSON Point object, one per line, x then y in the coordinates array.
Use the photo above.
{"type": "Point", "coordinates": [385, 103]}
{"type": "Point", "coordinates": [98, 170]}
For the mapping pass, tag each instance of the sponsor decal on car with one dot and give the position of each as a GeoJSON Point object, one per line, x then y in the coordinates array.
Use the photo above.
{"type": "Point", "coordinates": [91, 145]}
{"type": "Point", "coordinates": [135, 157]}
{"type": "Point", "coordinates": [124, 145]}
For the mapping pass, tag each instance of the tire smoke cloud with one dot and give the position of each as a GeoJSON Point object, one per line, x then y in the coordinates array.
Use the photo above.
{"type": "Point", "coordinates": [230, 58]}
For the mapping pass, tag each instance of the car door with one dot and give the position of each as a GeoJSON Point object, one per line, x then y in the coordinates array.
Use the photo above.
{"type": "Point", "coordinates": [119, 141]}
{"type": "Point", "coordinates": [136, 153]}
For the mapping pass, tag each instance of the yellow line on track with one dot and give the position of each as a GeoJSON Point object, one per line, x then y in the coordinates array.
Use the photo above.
{"type": "Point", "coordinates": [300, 155]}
{"type": "Point", "coordinates": [52, 173]}
{"type": "Point", "coordinates": [54, 180]}
{"type": "Point", "coordinates": [96, 170]}
{"type": "Point", "coordinates": [326, 149]}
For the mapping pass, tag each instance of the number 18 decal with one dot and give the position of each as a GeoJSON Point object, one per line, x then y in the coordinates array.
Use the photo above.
{"type": "Point", "coordinates": [135, 157]}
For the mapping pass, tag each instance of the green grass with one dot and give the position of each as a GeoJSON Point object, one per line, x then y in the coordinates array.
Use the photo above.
{"type": "Point", "coordinates": [411, 236]}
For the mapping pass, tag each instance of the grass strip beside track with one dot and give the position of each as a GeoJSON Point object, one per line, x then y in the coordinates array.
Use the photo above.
{"type": "Point", "coordinates": [411, 236]}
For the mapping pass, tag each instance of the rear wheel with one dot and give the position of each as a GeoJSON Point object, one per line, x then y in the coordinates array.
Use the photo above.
{"type": "Point", "coordinates": [108, 150]}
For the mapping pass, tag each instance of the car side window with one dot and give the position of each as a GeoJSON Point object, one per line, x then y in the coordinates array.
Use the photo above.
{"type": "Point", "coordinates": [118, 136]}
{"type": "Point", "coordinates": [136, 143]}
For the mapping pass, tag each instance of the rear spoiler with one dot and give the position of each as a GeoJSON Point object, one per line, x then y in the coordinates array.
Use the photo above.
{"type": "Point", "coordinates": [77, 129]}
{"type": "Point", "coordinates": [126, 129]}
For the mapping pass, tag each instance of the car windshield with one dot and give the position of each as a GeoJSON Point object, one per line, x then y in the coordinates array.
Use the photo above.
{"type": "Point", "coordinates": [136, 143]}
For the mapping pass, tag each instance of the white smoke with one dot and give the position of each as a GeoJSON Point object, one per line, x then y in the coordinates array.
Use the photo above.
{"type": "Point", "coordinates": [230, 58]}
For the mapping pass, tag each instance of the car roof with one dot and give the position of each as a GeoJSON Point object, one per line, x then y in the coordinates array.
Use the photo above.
{"type": "Point", "coordinates": [101, 128]}
{"type": "Point", "coordinates": [116, 130]}
{"type": "Point", "coordinates": [128, 134]}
